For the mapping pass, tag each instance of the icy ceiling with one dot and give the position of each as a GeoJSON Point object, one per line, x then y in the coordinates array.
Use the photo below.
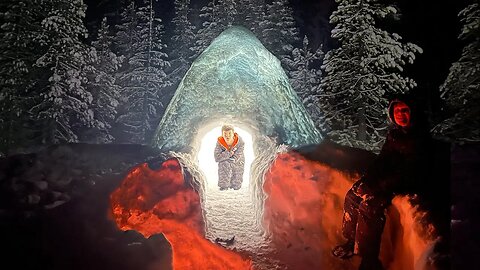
{"type": "Point", "coordinates": [235, 80]}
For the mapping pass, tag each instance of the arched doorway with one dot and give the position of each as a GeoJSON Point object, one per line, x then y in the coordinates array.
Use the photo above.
{"type": "Point", "coordinates": [207, 162]}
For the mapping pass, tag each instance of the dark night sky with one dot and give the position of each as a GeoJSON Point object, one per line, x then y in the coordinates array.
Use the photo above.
{"type": "Point", "coordinates": [434, 26]}
{"type": "Point", "coordinates": [430, 24]}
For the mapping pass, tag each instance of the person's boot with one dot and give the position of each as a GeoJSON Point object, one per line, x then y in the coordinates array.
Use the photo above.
{"type": "Point", "coordinates": [370, 264]}
{"type": "Point", "coordinates": [344, 251]}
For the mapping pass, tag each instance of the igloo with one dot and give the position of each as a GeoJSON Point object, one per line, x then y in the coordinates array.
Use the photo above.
{"type": "Point", "coordinates": [236, 80]}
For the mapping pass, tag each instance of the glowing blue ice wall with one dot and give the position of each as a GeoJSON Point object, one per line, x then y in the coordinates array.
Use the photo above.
{"type": "Point", "coordinates": [235, 80]}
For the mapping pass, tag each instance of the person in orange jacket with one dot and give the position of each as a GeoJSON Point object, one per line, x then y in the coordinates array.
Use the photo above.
{"type": "Point", "coordinates": [230, 157]}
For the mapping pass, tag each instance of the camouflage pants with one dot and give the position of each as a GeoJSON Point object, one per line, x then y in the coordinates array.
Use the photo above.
{"type": "Point", "coordinates": [364, 218]}
{"type": "Point", "coordinates": [230, 174]}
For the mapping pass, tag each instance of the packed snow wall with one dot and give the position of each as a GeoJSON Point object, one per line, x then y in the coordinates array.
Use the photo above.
{"type": "Point", "coordinates": [304, 209]}
{"type": "Point", "coordinates": [236, 80]}
{"type": "Point", "coordinates": [162, 201]}
{"type": "Point", "coordinates": [302, 217]}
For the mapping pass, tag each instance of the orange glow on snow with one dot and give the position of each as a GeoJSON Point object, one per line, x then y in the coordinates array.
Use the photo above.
{"type": "Point", "coordinates": [159, 201]}
{"type": "Point", "coordinates": [303, 212]}
{"type": "Point", "coordinates": [406, 244]}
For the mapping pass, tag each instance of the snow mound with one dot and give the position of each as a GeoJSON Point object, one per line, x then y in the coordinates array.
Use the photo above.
{"type": "Point", "coordinates": [236, 80]}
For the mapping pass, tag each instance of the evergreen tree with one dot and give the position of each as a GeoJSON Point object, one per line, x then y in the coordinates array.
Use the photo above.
{"type": "Point", "coordinates": [63, 104]}
{"type": "Point", "coordinates": [219, 15]}
{"type": "Point", "coordinates": [124, 39]}
{"type": "Point", "coordinates": [183, 48]}
{"type": "Point", "coordinates": [142, 78]}
{"type": "Point", "coordinates": [280, 33]}
{"type": "Point", "coordinates": [361, 72]}
{"type": "Point", "coordinates": [305, 75]}
{"type": "Point", "coordinates": [211, 28]}
{"type": "Point", "coordinates": [20, 20]}
{"type": "Point", "coordinates": [252, 16]}
{"type": "Point", "coordinates": [103, 86]}
{"type": "Point", "coordinates": [229, 10]}
{"type": "Point", "coordinates": [461, 89]}
{"type": "Point", "coordinates": [305, 79]}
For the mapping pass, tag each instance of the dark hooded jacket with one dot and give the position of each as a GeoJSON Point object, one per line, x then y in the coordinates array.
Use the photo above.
{"type": "Point", "coordinates": [403, 160]}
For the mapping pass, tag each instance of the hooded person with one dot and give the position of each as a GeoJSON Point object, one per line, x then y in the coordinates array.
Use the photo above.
{"type": "Point", "coordinates": [230, 157]}
{"type": "Point", "coordinates": [398, 169]}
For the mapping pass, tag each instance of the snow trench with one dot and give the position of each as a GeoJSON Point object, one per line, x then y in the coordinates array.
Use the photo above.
{"type": "Point", "coordinates": [238, 213]}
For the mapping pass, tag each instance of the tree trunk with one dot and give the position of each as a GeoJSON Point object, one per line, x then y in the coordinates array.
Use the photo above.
{"type": "Point", "coordinates": [362, 125]}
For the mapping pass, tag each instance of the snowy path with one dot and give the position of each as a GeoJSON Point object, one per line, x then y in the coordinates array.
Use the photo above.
{"type": "Point", "coordinates": [231, 213]}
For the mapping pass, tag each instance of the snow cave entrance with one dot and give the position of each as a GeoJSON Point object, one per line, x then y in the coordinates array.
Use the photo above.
{"type": "Point", "coordinates": [230, 212]}
{"type": "Point", "coordinates": [207, 162]}
{"type": "Point", "coordinates": [235, 80]}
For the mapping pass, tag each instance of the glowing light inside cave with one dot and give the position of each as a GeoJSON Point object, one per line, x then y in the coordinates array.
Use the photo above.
{"type": "Point", "coordinates": [207, 162]}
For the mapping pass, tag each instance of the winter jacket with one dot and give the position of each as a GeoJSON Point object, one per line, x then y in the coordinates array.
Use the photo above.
{"type": "Point", "coordinates": [403, 161]}
{"type": "Point", "coordinates": [231, 161]}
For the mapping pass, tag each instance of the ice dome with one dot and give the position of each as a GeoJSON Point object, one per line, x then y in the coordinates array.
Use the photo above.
{"type": "Point", "coordinates": [236, 80]}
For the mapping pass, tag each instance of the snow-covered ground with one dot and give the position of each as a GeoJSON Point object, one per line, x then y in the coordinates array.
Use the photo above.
{"type": "Point", "coordinates": [231, 213]}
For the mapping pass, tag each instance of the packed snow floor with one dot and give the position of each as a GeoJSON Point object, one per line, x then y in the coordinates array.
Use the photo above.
{"type": "Point", "coordinates": [231, 213]}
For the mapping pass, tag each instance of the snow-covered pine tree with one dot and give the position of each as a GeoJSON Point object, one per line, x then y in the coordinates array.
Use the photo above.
{"type": "Point", "coordinates": [221, 14]}
{"type": "Point", "coordinates": [252, 16]}
{"type": "Point", "coordinates": [123, 39]}
{"type": "Point", "coordinates": [183, 48]}
{"type": "Point", "coordinates": [229, 11]}
{"type": "Point", "coordinates": [63, 104]}
{"type": "Point", "coordinates": [211, 26]}
{"type": "Point", "coordinates": [20, 21]}
{"type": "Point", "coordinates": [461, 89]}
{"type": "Point", "coordinates": [305, 76]}
{"type": "Point", "coordinates": [305, 79]}
{"type": "Point", "coordinates": [359, 74]}
{"type": "Point", "coordinates": [280, 33]}
{"type": "Point", "coordinates": [126, 35]}
{"type": "Point", "coordinates": [102, 84]}
{"type": "Point", "coordinates": [142, 77]}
